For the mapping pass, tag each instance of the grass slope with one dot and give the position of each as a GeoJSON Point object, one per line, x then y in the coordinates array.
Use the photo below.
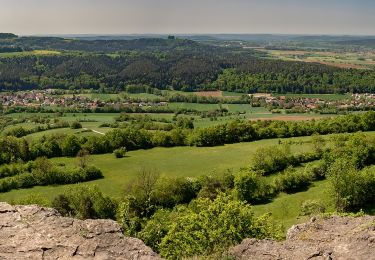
{"type": "Point", "coordinates": [177, 161]}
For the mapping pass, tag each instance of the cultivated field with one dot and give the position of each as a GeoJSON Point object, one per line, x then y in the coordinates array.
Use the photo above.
{"type": "Point", "coordinates": [354, 60]}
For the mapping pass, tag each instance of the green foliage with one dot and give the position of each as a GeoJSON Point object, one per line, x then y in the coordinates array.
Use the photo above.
{"type": "Point", "coordinates": [120, 152]}
{"type": "Point", "coordinates": [149, 191]}
{"type": "Point", "coordinates": [267, 160]}
{"type": "Point", "coordinates": [161, 63]}
{"type": "Point", "coordinates": [237, 131]}
{"type": "Point", "coordinates": [33, 199]}
{"type": "Point", "coordinates": [42, 172]}
{"type": "Point", "coordinates": [271, 159]}
{"type": "Point", "coordinates": [251, 187]}
{"type": "Point", "coordinates": [70, 146]}
{"type": "Point", "coordinates": [157, 228]}
{"type": "Point", "coordinates": [212, 185]}
{"type": "Point", "coordinates": [173, 191]}
{"type": "Point", "coordinates": [85, 202]}
{"type": "Point", "coordinates": [292, 180]}
{"type": "Point", "coordinates": [206, 226]}
{"type": "Point", "coordinates": [75, 125]}
{"type": "Point", "coordinates": [128, 217]}
{"type": "Point", "coordinates": [351, 188]}
{"type": "Point", "coordinates": [312, 207]}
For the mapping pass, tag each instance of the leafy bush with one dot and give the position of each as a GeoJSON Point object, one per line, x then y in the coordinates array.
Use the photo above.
{"type": "Point", "coordinates": [292, 180]}
{"type": "Point", "coordinates": [206, 226]}
{"type": "Point", "coordinates": [75, 125]}
{"type": "Point", "coordinates": [211, 185]}
{"type": "Point", "coordinates": [251, 187]}
{"type": "Point", "coordinates": [85, 202]}
{"type": "Point", "coordinates": [351, 188]}
{"type": "Point", "coordinates": [173, 191]}
{"type": "Point", "coordinates": [157, 228]}
{"type": "Point", "coordinates": [267, 160]}
{"type": "Point", "coordinates": [70, 146]}
{"type": "Point", "coordinates": [120, 152]}
{"type": "Point", "coordinates": [312, 207]}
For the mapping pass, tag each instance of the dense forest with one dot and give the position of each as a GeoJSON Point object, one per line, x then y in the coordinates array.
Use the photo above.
{"type": "Point", "coordinates": [112, 65]}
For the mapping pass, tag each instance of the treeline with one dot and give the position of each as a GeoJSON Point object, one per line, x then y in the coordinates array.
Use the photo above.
{"type": "Point", "coordinates": [4, 49]}
{"type": "Point", "coordinates": [163, 64]}
{"type": "Point", "coordinates": [7, 36]}
{"type": "Point", "coordinates": [281, 77]}
{"type": "Point", "coordinates": [133, 138]}
{"type": "Point", "coordinates": [20, 131]}
{"type": "Point", "coordinates": [42, 172]}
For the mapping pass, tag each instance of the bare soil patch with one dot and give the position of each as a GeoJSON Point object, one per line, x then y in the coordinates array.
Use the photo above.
{"type": "Point", "coordinates": [209, 94]}
{"type": "Point", "coordinates": [287, 118]}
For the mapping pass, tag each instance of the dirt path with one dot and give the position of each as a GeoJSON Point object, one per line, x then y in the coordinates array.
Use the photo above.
{"type": "Point", "coordinates": [97, 132]}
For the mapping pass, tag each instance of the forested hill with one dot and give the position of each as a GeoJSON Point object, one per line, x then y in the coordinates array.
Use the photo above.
{"type": "Point", "coordinates": [50, 62]}
{"type": "Point", "coordinates": [105, 46]}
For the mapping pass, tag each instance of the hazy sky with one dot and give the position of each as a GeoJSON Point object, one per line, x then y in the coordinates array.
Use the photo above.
{"type": "Point", "coordinates": [187, 16]}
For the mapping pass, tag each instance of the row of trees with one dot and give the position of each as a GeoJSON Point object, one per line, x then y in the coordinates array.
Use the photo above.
{"type": "Point", "coordinates": [133, 138]}
{"type": "Point", "coordinates": [42, 172]}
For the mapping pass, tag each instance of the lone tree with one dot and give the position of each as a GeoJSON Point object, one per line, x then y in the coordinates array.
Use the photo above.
{"type": "Point", "coordinates": [83, 158]}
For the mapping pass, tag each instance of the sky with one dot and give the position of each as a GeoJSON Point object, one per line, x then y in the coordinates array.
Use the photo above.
{"type": "Point", "coordinates": [28, 17]}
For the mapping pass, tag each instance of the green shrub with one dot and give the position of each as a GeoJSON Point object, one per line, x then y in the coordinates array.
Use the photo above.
{"type": "Point", "coordinates": [312, 207]}
{"type": "Point", "coordinates": [351, 189]}
{"type": "Point", "coordinates": [292, 180]}
{"type": "Point", "coordinates": [206, 226]}
{"type": "Point", "coordinates": [75, 125]}
{"type": "Point", "coordinates": [85, 202]}
{"type": "Point", "coordinates": [156, 228]}
{"type": "Point", "coordinates": [251, 187]}
{"type": "Point", "coordinates": [120, 152]}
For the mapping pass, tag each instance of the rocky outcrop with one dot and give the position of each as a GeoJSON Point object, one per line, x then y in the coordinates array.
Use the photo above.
{"type": "Point", "coordinates": [322, 238]}
{"type": "Point", "coordinates": [33, 232]}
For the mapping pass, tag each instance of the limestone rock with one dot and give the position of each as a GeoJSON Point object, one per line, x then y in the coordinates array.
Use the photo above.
{"type": "Point", "coordinates": [321, 238]}
{"type": "Point", "coordinates": [33, 232]}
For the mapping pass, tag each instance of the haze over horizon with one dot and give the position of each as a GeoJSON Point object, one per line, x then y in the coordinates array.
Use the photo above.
{"type": "Point", "coordinates": [338, 17]}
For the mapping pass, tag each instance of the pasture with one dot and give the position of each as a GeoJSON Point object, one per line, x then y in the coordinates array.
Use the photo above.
{"type": "Point", "coordinates": [174, 162]}
{"type": "Point", "coordinates": [188, 162]}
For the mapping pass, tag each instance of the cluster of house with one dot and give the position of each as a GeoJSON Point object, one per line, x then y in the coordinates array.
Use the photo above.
{"type": "Point", "coordinates": [45, 98]}
{"type": "Point", "coordinates": [306, 104]}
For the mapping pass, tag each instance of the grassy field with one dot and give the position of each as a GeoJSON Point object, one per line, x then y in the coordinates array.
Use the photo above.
{"type": "Point", "coordinates": [285, 208]}
{"type": "Point", "coordinates": [28, 53]}
{"type": "Point", "coordinates": [189, 162]}
{"type": "Point", "coordinates": [355, 60]}
{"type": "Point", "coordinates": [177, 161]}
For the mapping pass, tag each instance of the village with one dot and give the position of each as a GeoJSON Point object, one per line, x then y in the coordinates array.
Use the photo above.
{"type": "Point", "coordinates": [52, 98]}
{"type": "Point", "coordinates": [354, 102]}
{"type": "Point", "coordinates": [48, 98]}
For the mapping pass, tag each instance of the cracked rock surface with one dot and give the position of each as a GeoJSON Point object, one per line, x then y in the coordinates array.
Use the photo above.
{"type": "Point", "coordinates": [33, 232]}
{"type": "Point", "coordinates": [321, 238]}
